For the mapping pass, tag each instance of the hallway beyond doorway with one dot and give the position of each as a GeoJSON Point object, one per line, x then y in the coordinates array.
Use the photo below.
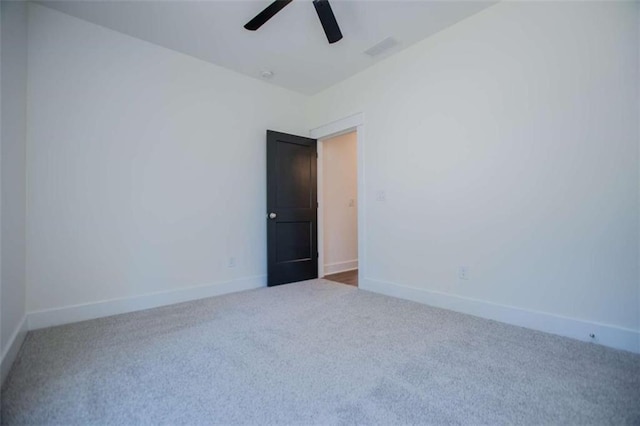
{"type": "Point", "coordinates": [347, 277]}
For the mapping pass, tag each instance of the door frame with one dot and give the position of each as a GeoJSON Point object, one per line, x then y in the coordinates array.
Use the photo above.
{"type": "Point", "coordinates": [339, 127]}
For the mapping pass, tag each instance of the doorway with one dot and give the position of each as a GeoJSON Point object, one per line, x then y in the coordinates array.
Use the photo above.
{"type": "Point", "coordinates": [295, 249]}
{"type": "Point", "coordinates": [338, 208]}
{"type": "Point", "coordinates": [355, 122]}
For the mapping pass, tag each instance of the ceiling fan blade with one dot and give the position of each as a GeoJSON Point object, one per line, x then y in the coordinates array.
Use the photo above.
{"type": "Point", "coordinates": [328, 20]}
{"type": "Point", "coordinates": [266, 14]}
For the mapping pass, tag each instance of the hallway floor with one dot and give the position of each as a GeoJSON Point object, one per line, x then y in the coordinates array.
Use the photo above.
{"type": "Point", "coordinates": [347, 277]}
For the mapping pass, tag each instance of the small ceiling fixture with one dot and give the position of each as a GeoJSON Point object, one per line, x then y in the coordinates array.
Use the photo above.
{"type": "Point", "coordinates": [267, 74]}
{"type": "Point", "coordinates": [323, 8]}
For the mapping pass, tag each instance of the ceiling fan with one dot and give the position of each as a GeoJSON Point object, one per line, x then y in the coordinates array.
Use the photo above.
{"type": "Point", "coordinates": [323, 8]}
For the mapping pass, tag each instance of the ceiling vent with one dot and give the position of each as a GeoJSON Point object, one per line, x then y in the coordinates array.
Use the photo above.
{"type": "Point", "coordinates": [381, 47]}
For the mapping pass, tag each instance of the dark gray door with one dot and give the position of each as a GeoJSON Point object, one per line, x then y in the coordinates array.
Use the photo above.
{"type": "Point", "coordinates": [292, 208]}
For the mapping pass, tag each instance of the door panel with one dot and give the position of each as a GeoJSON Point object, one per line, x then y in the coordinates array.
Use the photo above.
{"type": "Point", "coordinates": [294, 179]}
{"type": "Point", "coordinates": [292, 215]}
{"type": "Point", "coordinates": [294, 241]}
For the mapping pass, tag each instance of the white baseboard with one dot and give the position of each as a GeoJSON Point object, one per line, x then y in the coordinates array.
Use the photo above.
{"type": "Point", "coordinates": [336, 267]}
{"type": "Point", "coordinates": [87, 311]}
{"type": "Point", "coordinates": [607, 335]}
{"type": "Point", "coordinates": [13, 347]}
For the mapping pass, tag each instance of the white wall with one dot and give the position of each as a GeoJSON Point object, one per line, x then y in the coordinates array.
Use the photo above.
{"type": "Point", "coordinates": [145, 166]}
{"type": "Point", "coordinates": [340, 210]}
{"type": "Point", "coordinates": [13, 64]}
{"type": "Point", "coordinates": [507, 143]}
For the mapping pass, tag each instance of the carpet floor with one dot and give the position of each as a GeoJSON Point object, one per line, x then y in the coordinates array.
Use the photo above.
{"type": "Point", "coordinates": [314, 353]}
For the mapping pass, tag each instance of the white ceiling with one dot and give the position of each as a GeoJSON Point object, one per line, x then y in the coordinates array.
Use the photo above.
{"type": "Point", "coordinates": [292, 44]}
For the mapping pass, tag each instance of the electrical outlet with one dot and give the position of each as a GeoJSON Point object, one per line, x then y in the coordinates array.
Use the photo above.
{"type": "Point", "coordinates": [463, 272]}
{"type": "Point", "coordinates": [381, 196]}
{"type": "Point", "coordinates": [232, 262]}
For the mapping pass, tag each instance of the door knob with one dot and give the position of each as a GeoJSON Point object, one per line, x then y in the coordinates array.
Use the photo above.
{"type": "Point", "coordinates": [272, 215]}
